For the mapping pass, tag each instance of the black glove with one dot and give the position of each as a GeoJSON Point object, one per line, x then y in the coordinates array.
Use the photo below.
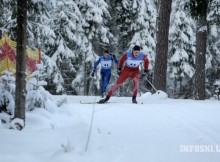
{"type": "Point", "coordinates": [145, 74]}
{"type": "Point", "coordinates": [113, 56]}
{"type": "Point", "coordinates": [93, 73]}
{"type": "Point", "coordinates": [119, 71]}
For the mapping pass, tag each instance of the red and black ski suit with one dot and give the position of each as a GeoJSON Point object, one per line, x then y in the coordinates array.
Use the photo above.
{"type": "Point", "coordinates": [129, 72]}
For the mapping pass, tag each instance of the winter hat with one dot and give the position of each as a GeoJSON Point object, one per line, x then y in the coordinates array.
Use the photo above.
{"type": "Point", "coordinates": [136, 48]}
{"type": "Point", "coordinates": [106, 51]}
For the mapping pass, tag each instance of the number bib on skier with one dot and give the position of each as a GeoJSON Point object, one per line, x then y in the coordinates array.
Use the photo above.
{"type": "Point", "coordinates": [134, 62]}
{"type": "Point", "coordinates": [106, 64]}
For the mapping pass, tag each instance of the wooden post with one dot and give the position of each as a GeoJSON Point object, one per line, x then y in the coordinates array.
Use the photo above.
{"type": "Point", "coordinates": [6, 51]}
{"type": "Point", "coordinates": [39, 56]}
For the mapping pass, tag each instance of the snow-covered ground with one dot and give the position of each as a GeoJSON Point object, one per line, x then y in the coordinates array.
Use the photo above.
{"type": "Point", "coordinates": [159, 130]}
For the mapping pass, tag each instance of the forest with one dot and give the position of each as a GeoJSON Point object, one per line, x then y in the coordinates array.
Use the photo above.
{"type": "Point", "coordinates": [180, 38]}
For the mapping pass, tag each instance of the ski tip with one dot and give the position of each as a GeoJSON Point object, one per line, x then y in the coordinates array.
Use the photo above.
{"type": "Point", "coordinates": [99, 102]}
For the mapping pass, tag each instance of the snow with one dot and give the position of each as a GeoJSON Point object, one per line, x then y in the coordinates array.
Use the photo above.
{"type": "Point", "coordinates": [217, 82]}
{"type": "Point", "coordinates": [202, 29]}
{"type": "Point", "coordinates": [156, 131]}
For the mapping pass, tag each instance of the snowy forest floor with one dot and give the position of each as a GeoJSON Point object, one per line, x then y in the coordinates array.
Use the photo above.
{"type": "Point", "coordinates": [159, 130]}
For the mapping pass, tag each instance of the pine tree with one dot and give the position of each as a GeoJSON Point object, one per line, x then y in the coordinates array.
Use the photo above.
{"type": "Point", "coordinates": [181, 52]}
{"type": "Point", "coordinates": [96, 16]}
{"type": "Point", "coordinates": [40, 32]}
{"type": "Point", "coordinates": [68, 28]}
{"type": "Point", "coordinates": [144, 28]}
{"type": "Point", "coordinates": [123, 14]}
{"type": "Point", "coordinates": [8, 18]}
{"type": "Point", "coordinates": [199, 10]}
{"type": "Point", "coordinates": [2, 19]}
{"type": "Point", "coordinates": [54, 79]}
{"type": "Point", "coordinates": [94, 38]}
{"type": "Point", "coordinates": [41, 35]}
{"type": "Point", "coordinates": [7, 93]}
{"type": "Point", "coordinates": [36, 94]}
{"type": "Point", "coordinates": [212, 59]}
{"type": "Point", "coordinates": [213, 47]}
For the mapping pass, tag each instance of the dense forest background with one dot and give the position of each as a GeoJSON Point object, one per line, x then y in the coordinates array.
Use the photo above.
{"type": "Point", "coordinates": [72, 34]}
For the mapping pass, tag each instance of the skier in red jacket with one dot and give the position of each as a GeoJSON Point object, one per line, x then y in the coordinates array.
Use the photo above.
{"type": "Point", "coordinates": [132, 60]}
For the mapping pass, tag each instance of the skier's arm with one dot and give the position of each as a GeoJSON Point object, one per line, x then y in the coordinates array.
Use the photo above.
{"type": "Point", "coordinates": [122, 60]}
{"type": "Point", "coordinates": [96, 64]}
{"type": "Point", "coordinates": [146, 63]}
{"type": "Point", "coordinates": [114, 59]}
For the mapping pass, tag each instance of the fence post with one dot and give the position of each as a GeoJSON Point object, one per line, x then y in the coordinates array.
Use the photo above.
{"type": "Point", "coordinates": [39, 56]}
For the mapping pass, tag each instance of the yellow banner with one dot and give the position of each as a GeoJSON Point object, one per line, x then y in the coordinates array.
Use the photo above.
{"type": "Point", "coordinates": [8, 56]}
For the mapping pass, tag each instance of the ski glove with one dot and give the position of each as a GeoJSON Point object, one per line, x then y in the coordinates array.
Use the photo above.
{"type": "Point", "coordinates": [119, 71]}
{"type": "Point", "coordinates": [93, 74]}
{"type": "Point", "coordinates": [113, 56]}
{"type": "Point", "coordinates": [145, 74]}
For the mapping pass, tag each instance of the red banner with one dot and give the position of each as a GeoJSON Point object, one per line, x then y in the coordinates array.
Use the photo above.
{"type": "Point", "coordinates": [8, 57]}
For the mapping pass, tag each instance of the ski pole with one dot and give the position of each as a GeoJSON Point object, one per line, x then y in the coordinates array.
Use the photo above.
{"type": "Point", "coordinates": [151, 85]}
{"type": "Point", "coordinates": [91, 86]}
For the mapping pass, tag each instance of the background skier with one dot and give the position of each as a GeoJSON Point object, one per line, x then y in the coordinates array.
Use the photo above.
{"type": "Point", "coordinates": [106, 65]}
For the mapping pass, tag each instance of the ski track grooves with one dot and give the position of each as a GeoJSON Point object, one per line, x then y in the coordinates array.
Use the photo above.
{"type": "Point", "coordinates": [201, 129]}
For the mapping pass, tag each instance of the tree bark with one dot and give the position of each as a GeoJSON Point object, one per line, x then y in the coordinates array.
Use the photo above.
{"type": "Point", "coordinates": [163, 22]}
{"type": "Point", "coordinates": [20, 59]}
{"type": "Point", "coordinates": [201, 38]}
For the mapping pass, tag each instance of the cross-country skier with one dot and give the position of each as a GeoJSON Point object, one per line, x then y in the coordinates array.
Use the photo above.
{"type": "Point", "coordinates": [132, 60]}
{"type": "Point", "coordinates": [106, 65]}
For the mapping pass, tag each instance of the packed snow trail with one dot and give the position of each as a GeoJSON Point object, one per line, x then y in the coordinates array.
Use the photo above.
{"type": "Point", "coordinates": [153, 131]}
{"type": "Point", "coordinates": [172, 123]}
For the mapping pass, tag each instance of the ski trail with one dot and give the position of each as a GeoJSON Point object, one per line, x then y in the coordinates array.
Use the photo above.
{"type": "Point", "coordinates": [206, 133]}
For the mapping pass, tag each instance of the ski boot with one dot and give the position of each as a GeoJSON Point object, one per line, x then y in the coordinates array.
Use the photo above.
{"type": "Point", "coordinates": [134, 99]}
{"type": "Point", "coordinates": [103, 100]}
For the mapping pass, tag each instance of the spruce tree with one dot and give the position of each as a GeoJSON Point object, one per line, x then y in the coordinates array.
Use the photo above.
{"type": "Point", "coordinates": [181, 52]}
{"type": "Point", "coordinates": [40, 32]}
{"type": "Point", "coordinates": [213, 47]}
{"type": "Point", "coordinates": [198, 10]}
{"type": "Point", "coordinates": [95, 37]}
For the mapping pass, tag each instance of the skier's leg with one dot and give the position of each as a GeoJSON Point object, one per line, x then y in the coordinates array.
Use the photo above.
{"type": "Point", "coordinates": [136, 86]}
{"type": "Point", "coordinates": [106, 80]}
{"type": "Point", "coordinates": [123, 76]}
{"type": "Point", "coordinates": [103, 83]}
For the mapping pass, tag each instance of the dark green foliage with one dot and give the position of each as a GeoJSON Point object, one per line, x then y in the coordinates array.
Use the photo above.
{"type": "Point", "coordinates": [214, 12]}
{"type": "Point", "coordinates": [198, 8]}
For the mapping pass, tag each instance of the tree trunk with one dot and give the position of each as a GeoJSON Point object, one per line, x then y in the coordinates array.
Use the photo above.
{"type": "Point", "coordinates": [20, 59]}
{"type": "Point", "coordinates": [163, 22]}
{"type": "Point", "coordinates": [201, 38]}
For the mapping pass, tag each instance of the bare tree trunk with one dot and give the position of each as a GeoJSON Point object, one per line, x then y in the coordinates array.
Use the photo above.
{"type": "Point", "coordinates": [175, 88]}
{"type": "Point", "coordinates": [163, 22]}
{"type": "Point", "coordinates": [85, 80]}
{"type": "Point", "coordinates": [20, 59]}
{"type": "Point", "coordinates": [201, 38]}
